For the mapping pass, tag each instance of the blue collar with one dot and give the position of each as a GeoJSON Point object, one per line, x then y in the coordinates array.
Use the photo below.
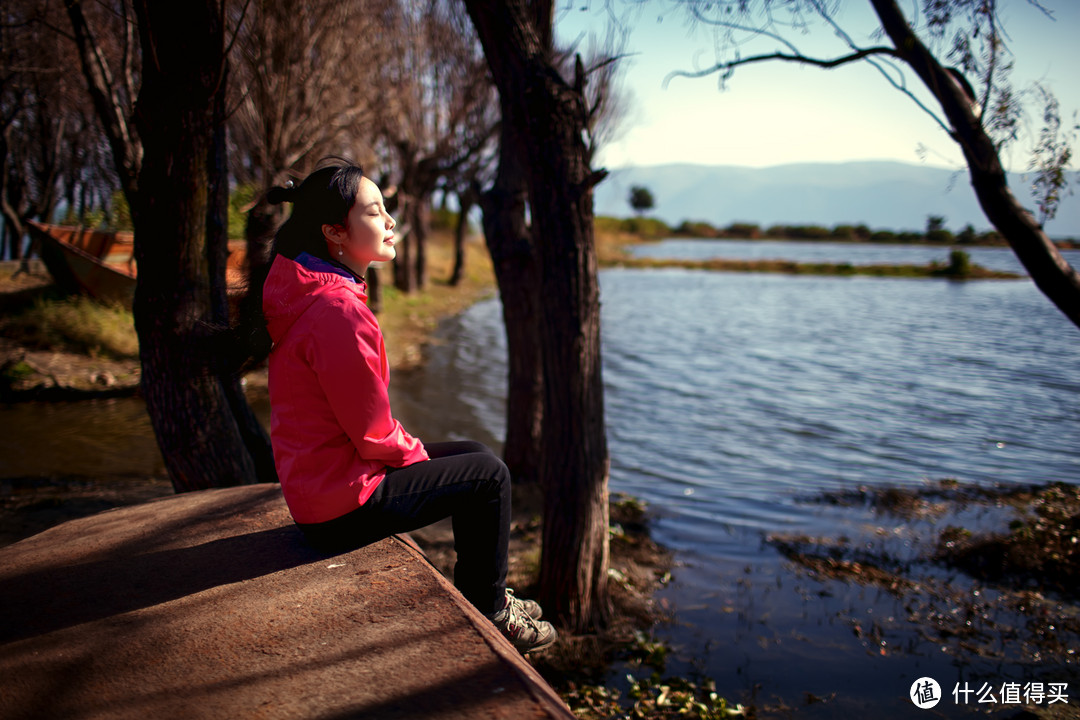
{"type": "Point", "coordinates": [317, 264]}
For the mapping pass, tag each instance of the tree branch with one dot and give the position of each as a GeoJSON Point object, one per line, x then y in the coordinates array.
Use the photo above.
{"type": "Point", "coordinates": [802, 59]}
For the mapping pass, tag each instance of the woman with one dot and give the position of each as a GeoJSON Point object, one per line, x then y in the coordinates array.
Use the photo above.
{"type": "Point", "coordinates": [350, 473]}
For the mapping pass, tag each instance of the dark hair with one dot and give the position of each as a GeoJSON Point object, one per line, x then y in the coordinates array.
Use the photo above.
{"type": "Point", "coordinates": [323, 198]}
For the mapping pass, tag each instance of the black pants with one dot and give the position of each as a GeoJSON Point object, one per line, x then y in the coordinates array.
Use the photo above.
{"type": "Point", "coordinates": [464, 481]}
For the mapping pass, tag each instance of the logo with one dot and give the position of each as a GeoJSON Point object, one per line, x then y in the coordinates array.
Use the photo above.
{"type": "Point", "coordinates": [925, 693]}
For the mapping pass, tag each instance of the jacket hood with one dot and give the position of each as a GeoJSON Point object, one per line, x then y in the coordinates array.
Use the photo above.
{"type": "Point", "coordinates": [293, 286]}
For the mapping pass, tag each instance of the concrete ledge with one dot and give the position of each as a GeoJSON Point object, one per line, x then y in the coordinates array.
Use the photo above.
{"type": "Point", "coordinates": [210, 605]}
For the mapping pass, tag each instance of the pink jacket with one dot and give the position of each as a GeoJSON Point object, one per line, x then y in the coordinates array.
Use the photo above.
{"type": "Point", "coordinates": [330, 424]}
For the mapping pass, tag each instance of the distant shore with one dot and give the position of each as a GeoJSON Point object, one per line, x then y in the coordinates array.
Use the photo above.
{"type": "Point", "coordinates": [648, 228]}
{"type": "Point", "coordinates": [612, 253]}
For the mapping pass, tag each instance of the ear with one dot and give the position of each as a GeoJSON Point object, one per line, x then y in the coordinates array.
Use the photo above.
{"type": "Point", "coordinates": [333, 233]}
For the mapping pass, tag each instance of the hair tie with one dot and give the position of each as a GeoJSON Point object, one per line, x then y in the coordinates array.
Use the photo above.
{"type": "Point", "coordinates": [286, 192]}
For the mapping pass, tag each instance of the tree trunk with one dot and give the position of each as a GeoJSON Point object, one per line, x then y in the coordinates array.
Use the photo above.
{"type": "Point", "coordinates": [405, 262]}
{"type": "Point", "coordinates": [181, 243]}
{"type": "Point", "coordinates": [421, 220]}
{"type": "Point", "coordinates": [550, 117]}
{"type": "Point", "coordinates": [517, 273]}
{"type": "Point", "coordinates": [1051, 272]}
{"type": "Point", "coordinates": [466, 200]}
{"type": "Point", "coordinates": [374, 301]}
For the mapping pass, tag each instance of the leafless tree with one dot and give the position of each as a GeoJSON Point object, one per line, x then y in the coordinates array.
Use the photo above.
{"type": "Point", "coordinates": [108, 49]}
{"type": "Point", "coordinates": [437, 117]}
{"type": "Point", "coordinates": [49, 139]}
{"type": "Point", "coordinates": [943, 44]}
{"type": "Point", "coordinates": [303, 83]}
{"type": "Point", "coordinates": [545, 165]}
{"type": "Point", "coordinates": [303, 86]}
{"type": "Point", "coordinates": [205, 429]}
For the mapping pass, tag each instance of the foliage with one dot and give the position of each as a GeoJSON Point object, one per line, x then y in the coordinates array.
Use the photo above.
{"type": "Point", "coordinates": [696, 228]}
{"type": "Point", "coordinates": [935, 230]}
{"type": "Point", "coordinates": [967, 236]}
{"type": "Point", "coordinates": [241, 199]}
{"type": "Point", "coordinates": [607, 224]}
{"type": "Point", "coordinates": [113, 216]}
{"type": "Point", "coordinates": [959, 264]}
{"type": "Point", "coordinates": [12, 373]}
{"type": "Point", "coordinates": [1050, 159]}
{"type": "Point", "coordinates": [645, 227]}
{"type": "Point", "coordinates": [641, 199]}
{"type": "Point", "coordinates": [858, 233]}
{"type": "Point", "coordinates": [742, 230]}
{"type": "Point", "coordinates": [655, 697]}
{"type": "Point", "coordinates": [959, 267]}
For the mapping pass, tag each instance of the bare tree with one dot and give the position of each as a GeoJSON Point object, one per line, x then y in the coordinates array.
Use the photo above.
{"type": "Point", "coordinates": [48, 141]}
{"type": "Point", "coordinates": [30, 134]}
{"type": "Point", "coordinates": [109, 52]}
{"type": "Point", "coordinates": [301, 90]}
{"type": "Point", "coordinates": [465, 186]}
{"type": "Point", "coordinates": [437, 119]}
{"type": "Point", "coordinates": [981, 119]}
{"type": "Point", "coordinates": [301, 83]}
{"type": "Point", "coordinates": [545, 120]}
{"type": "Point", "coordinates": [513, 248]}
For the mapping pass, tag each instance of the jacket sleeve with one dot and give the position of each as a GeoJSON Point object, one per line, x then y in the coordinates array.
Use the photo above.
{"type": "Point", "coordinates": [349, 358]}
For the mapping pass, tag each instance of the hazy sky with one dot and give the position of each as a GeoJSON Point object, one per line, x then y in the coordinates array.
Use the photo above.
{"type": "Point", "coordinates": [776, 113]}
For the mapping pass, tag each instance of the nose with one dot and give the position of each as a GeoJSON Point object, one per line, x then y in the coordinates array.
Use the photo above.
{"type": "Point", "coordinates": [390, 222]}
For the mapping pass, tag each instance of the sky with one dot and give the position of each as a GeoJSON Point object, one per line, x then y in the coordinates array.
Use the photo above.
{"type": "Point", "coordinates": [777, 113]}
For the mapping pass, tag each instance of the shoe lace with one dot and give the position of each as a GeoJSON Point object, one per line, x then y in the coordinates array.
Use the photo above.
{"type": "Point", "coordinates": [518, 622]}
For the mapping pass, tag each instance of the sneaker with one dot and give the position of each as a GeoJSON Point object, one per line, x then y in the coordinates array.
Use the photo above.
{"type": "Point", "coordinates": [530, 607]}
{"type": "Point", "coordinates": [526, 633]}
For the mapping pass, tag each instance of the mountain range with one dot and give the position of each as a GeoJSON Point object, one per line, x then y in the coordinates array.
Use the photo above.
{"type": "Point", "coordinates": [883, 195]}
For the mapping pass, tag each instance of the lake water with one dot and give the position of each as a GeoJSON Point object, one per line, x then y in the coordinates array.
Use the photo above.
{"type": "Point", "coordinates": [734, 399]}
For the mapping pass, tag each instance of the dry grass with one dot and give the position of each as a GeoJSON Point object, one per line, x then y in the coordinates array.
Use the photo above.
{"type": "Point", "coordinates": [75, 324]}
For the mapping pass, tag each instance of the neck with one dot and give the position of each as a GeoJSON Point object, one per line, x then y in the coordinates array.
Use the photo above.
{"type": "Point", "coordinates": [360, 271]}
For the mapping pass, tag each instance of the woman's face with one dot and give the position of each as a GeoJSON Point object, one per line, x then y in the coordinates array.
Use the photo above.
{"type": "Point", "coordinates": [368, 233]}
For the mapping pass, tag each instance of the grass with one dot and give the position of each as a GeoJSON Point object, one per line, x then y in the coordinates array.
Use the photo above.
{"type": "Point", "coordinates": [75, 324]}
